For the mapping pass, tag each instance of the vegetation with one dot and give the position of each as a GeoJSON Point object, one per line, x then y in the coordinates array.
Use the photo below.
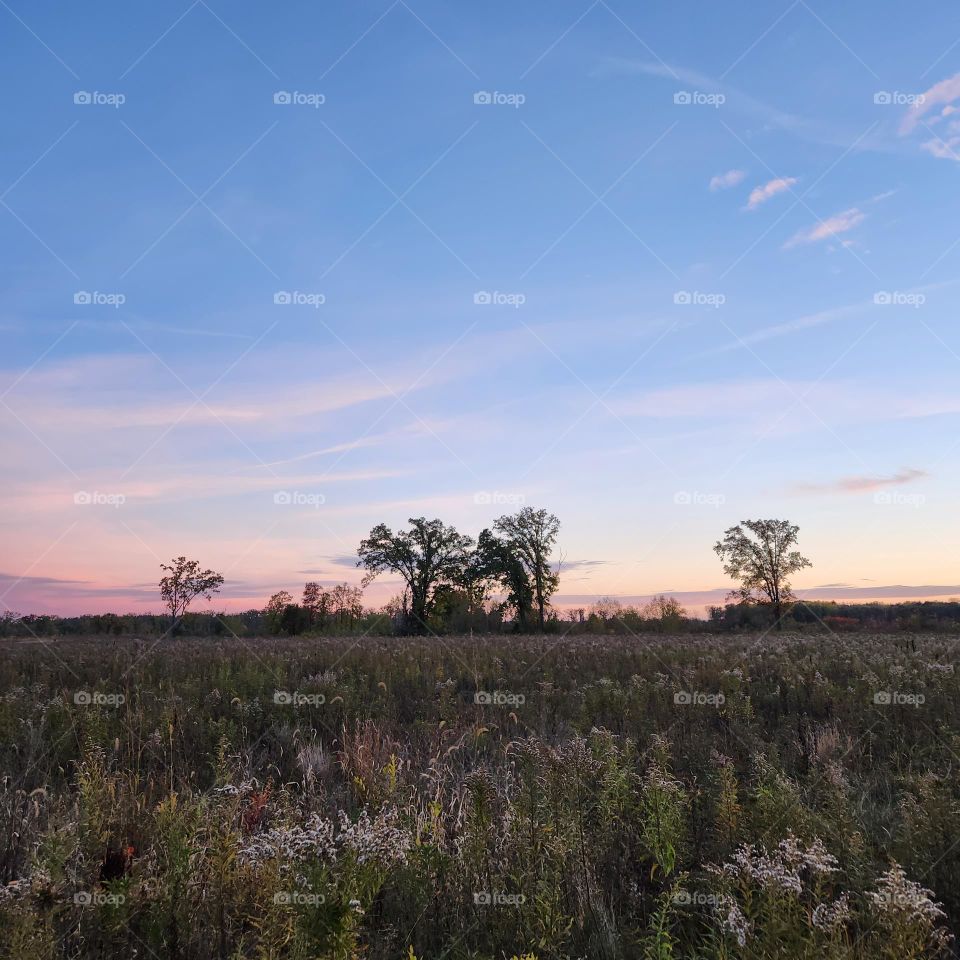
{"type": "Point", "coordinates": [759, 554]}
{"type": "Point", "coordinates": [183, 582]}
{"type": "Point", "coordinates": [689, 796]}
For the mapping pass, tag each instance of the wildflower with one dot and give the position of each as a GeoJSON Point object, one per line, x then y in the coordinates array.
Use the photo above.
{"type": "Point", "coordinates": [899, 897]}
{"type": "Point", "coordinates": [734, 923]}
{"type": "Point", "coordinates": [830, 916]}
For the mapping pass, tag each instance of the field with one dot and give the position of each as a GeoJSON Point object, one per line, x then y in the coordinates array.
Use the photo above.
{"type": "Point", "coordinates": [601, 797]}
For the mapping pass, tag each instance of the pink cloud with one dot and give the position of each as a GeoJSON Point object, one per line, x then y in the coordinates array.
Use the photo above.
{"type": "Point", "coordinates": [944, 92]}
{"type": "Point", "coordinates": [861, 484]}
{"type": "Point", "coordinates": [729, 179]}
{"type": "Point", "coordinates": [770, 189]}
{"type": "Point", "coordinates": [825, 229]}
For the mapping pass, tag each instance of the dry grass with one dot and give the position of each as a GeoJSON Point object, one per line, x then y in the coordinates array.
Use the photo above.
{"type": "Point", "coordinates": [607, 797]}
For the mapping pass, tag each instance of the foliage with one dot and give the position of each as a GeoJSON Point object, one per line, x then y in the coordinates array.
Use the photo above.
{"type": "Point", "coordinates": [615, 796]}
{"type": "Point", "coordinates": [759, 554]}
{"type": "Point", "coordinates": [183, 582]}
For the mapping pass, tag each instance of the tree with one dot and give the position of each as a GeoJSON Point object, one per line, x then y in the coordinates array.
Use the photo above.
{"type": "Point", "coordinates": [530, 535]}
{"type": "Point", "coordinates": [759, 554]}
{"type": "Point", "coordinates": [346, 604]}
{"type": "Point", "coordinates": [425, 556]}
{"type": "Point", "coordinates": [316, 600]}
{"type": "Point", "coordinates": [183, 583]}
{"type": "Point", "coordinates": [495, 562]}
{"type": "Point", "coordinates": [275, 608]}
{"type": "Point", "coordinates": [665, 611]}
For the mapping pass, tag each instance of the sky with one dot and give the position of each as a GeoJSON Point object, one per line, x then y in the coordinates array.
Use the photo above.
{"type": "Point", "coordinates": [274, 274]}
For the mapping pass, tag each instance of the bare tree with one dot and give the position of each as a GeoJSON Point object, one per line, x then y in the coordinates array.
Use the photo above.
{"type": "Point", "coordinates": [183, 583]}
{"type": "Point", "coordinates": [425, 556]}
{"type": "Point", "coordinates": [531, 535]}
{"type": "Point", "coordinates": [759, 554]}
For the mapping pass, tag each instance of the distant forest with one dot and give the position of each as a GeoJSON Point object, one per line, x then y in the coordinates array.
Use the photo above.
{"type": "Point", "coordinates": [604, 617]}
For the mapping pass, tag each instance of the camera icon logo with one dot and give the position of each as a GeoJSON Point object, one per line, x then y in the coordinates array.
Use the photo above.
{"type": "Point", "coordinates": [82, 698]}
{"type": "Point", "coordinates": [282, 97]}
{"type": "Point", "coordinates": [482, 97]}
{"type": "Point", "coordinates": [682, 498]}
{"type": "Point", "coordinates": [282, 697]}
{"type": "Point", "coordinates": [682, 697]}
{"type": "Point", "coordinates": [483, 697]}
{"type": "Point", "coordinates": [82, 297]}
{"type": "Point", "coordinates": [682, 97]}
{"type": "Point", "coordinates": [282, 498]}
{"type": "Point", "coordinates": [882, 298]}
{"type": "Point", "coordinates": [882, 697]}
{"type": "Point", "coordinates": [882, 98]}
{"type": "Point", "coordinates": [82, 97]}
{"type": "Point", "coordinates": [282, 297]}
{"type": "Point", "coordinates": [682, 297]}
{"type": "Point", "coordinates": [482, 899]}
{"type": "Point", "coordinates": [82, 499]}
{"type": "Point", "coordinates": [482, 297]}
{"type": "Point", "coordinates": [682, 898]}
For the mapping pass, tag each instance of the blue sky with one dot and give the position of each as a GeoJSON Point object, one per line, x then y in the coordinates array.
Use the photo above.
{"type": "Point", "coordinates": [741, 305]}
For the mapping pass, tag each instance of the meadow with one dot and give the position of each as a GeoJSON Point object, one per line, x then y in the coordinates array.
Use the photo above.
{"type": "Point", "coordinates": [747, 795]}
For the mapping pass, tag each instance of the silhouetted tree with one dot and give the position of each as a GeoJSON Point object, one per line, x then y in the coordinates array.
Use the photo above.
{"type": "Point", "coordinates": [425, 556]}
{"type": "Point", "coordinates": [183, 583]}
{"type": "Point", "coordinates": [530, 535]}
{"type": "Point", "coordinates": [496, 562]}
{"type": "Point", "coordinates": [273, 612]}
{"type": "Point", "coordinates": [759, 554]}
{"type": "Point", "coordinates": [316, 600]}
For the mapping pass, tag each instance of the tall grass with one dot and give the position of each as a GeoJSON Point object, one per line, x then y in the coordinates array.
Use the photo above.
{"type": "Point", "coordinates": [602, 797]}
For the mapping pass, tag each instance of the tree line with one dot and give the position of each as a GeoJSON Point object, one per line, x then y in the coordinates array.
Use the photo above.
{"type": "Point", "coordinates": [504, 579]}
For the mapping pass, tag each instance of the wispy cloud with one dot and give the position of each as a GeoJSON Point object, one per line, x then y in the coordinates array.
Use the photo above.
{"type": "Point", "coordinates": [825, 229]}
{"type": "Point", "coordinates": [945, 92]}
{"type": "Point", "coordinates": [770, 189]}
{"type": "Point", "coordinates": [936, 105]}
{"type": "Point", "coordinates": [863, 484]}
{"type": "Point", "coordinates": [724, 181]}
